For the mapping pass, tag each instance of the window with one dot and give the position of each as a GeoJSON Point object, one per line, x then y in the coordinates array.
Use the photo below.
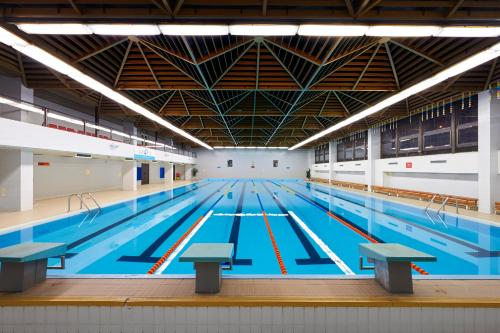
{"type": "Point", "coordinates": [229, 163]}
{"type": "Point", "coordinates": [409, 134]}
{"type": "Point", "coordinates": [352, 148]}
{"type": "Point", "coordinates": [466, 128]}
{"type": "Point", "coordinates": [437, 132]}
{"type": "Point", "coordinates": [275, 163]}
{"type": "Point", "coordinates": [322, 153]}
{"type": "Point", "coordinates": [449, 128]}
{"type": "Point", "coordinates": [388, 142]}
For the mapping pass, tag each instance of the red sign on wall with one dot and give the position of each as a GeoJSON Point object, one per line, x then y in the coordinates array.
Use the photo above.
{"type": "Point", "coordinates": [43, 163]}
{"type": "Point", "coordinates": [409, 165]}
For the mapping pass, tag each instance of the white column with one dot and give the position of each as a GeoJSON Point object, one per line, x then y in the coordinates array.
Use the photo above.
{"type": "Point", "coordinates": [16, 180]}
{"type": "Point", "coordinates": [333, 160]}
{"type": "Point", "coordinates": [187, 173]}
{"type": "Point", "coordinates": [373, 154]}
{"type": "Point", "coordinates": [488, 147]}
{"type": "Point", "coordinates": [169, 173]}
{"type": "Point", "coordinates": [129, 176]}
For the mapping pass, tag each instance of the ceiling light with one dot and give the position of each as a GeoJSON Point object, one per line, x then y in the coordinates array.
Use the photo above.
{"type": "Point", "coordinates": [99, 128]}
{"type": "Point", "coordinates": [125, 135]}
{"type": "Point", "coordinates": [463, 66]}
{"type": "Point", "coordinates": [133, 137]}
{"type": "Point", "coordinates": [263, 30]}
{"type": "Point", "coordinates": [332, 30]}
{"type": "Point", "coordinates": [125, 29]}
{"type": "Point", "coordinates": [469, 32]}
{"type": "Point", "coordinates": [21, 105]}
{"type": "Point", "coordinates": [62, 67]}
{"type": "Point", "coordinates": [403, 30]}
{"type": "Point", "coordinates": [64, 118]}
{"type": "Point", "coordinates": [193, 30]}
{"type": "Point", "coordinates": [55, 28]}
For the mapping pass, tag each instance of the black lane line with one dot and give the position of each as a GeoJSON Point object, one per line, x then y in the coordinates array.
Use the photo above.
{"type": "Point", "coordinates": [480, 252]}
{"type": "Point", "coordinates": [126, 219]}
{"type": "Point", "coordinates": [235, 231]}
{"type": "Point", "coordinates": [327, 210]}
{"type": "Point", "coordinates": [146, 255]}
{"type": "Point", "coordinates": [314, 257]}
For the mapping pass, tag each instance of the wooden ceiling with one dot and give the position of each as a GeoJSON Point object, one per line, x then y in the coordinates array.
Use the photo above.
{"type": "Point", "coordinates": [229, 90]}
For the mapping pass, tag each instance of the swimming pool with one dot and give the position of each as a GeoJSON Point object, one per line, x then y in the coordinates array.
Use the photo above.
{"type": "Point", "coordinates": [278, 227]}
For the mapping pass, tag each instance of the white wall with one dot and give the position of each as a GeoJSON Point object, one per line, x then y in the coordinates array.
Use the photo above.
{"type": "Point", "coordinates": [291, 164]}
{"type": "Point", "coordinates": [66, 175]}
{"type": "Point", "coordinates": [350, 171]}
{"type": "Point", "coordinates": [454, 174]}
{"type": "Point", "coordinates": [321, 170]}
{"type": "Point", "coordinates": [181, 170]}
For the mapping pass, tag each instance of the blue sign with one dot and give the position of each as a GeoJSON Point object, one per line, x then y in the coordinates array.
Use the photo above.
{"type": "Point", "coordinates": [143, 157]}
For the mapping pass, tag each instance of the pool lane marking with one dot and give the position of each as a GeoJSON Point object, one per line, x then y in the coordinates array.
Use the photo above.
{"type": "Point", "coordinates": [128, 218]}
{"type": "Point", "coordinates": [275, 245]}
{"type": "Point", "coordinates": [335, 258]}
{"type": "Point", "coordinates": [481, 252]}
{"type": "Point", "coordinates": [277, 252]}
{"type": "Point", "coordinates": [248, 214]}
{"type": "Point", "coordinates": [235, 231]}
{"type": "Point", "coordinates": [184, 239]}
{"type": "Point", "coordinates": [314, 256]}
{"type": "Point", "coordinates": [352, 227]}
{"type": "Point", "coordinates": [146, 255]}
{"type": "Point", "coordinates": [180, 244]}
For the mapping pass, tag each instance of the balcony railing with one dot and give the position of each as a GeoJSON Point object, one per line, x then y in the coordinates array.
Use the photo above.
{"type": "Point", "coordinates": [61, 121]}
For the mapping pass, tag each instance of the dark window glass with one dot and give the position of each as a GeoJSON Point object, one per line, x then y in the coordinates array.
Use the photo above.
{"type": "Point", "coordinates": [321, 154]}
{"type": "Point", "coordinates": [467, 128]}
{"type": "Point", "coordinates": [360, 149]}
{"type": "Point", "coordinates": [409, 130]}
{"type": "Point", "coordinates": [388, 143]}
{"type": "Point", "coordinates": [437, 132]}
{"type": "Point", "coordinates": [340, 152]}
{"type": "Point", "coordinates": [349, 151]}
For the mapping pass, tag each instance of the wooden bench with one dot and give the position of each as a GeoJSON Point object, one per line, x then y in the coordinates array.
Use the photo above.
{"type": "Point", "coordinates": [25, 265]}
{"type": "Point", "coordinates": [392, 264]}
{"type": "Point", "coordinates": [453, 200]}
{"type": "Point", "coordinates": [208, 259]}
{"type": "Point", "coordinates": [356, 186]}
{"type": "Point", "coordinates": [497, 207]}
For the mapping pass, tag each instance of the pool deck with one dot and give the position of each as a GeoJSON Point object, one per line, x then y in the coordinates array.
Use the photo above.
{"type": "Point", "coordinates": [256, 292]}
{"type": "Point", "coordinates": [56, 207]}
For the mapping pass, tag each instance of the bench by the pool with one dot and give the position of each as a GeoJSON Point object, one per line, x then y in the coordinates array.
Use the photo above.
{"type": "Point", "coordinates": [393, 264]}
{"type": "Point", "coordinates": [208, 259]}
{"type": "Point", "coordinates": [24, 265]}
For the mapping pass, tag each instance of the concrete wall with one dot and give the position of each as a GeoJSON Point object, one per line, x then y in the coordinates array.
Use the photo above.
{"type": "Point", "coordinates": [66, 175]}
{"type": "Point", "coordinates": [291, 164]}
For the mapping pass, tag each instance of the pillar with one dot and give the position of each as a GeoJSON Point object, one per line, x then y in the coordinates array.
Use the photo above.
{"type": "Point", "coordinates": [373, 154]}
{"type": "Point", "coordinates": [169, 173]}
{"type": "Point", "coordinates": [129, 176]}
{"type": "Point", "coordinates": [187, 173]}
{"type": "Point", "coordinates": [488, 147]}
{"type": "Point", "coordinates": [13, 87]}
{"type": "Point", "coordinates": [16, 180]}
{"type": "Point", "coordinates": [333, 159]}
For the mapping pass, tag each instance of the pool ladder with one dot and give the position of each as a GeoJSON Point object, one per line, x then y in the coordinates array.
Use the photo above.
{"type": "Point", "coordinates": [438, 212]}
{"type": "Point", "coordinates": [81, 197]}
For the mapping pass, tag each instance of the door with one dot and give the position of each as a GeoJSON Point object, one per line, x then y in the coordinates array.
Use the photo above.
{"type": "Point", "coordinates": [173, 173]}
{"type": "Point", "coordinates": [145, 173]}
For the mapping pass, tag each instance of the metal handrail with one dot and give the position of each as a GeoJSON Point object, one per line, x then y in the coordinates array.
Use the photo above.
{"type": "Point", "coordinates": [430, 202]}
{"type": "Point", "coordinates": [82, 204]}
{"type": "Point", "coordinates": [93, 199]}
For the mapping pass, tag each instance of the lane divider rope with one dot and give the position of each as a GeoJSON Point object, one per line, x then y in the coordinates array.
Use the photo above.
{"type": "Point", "coordinates": [167, 254]}
{"type": "Point", "coordinates": [275, 245]}
{"type": "Point", "coordinates": [373, 240]}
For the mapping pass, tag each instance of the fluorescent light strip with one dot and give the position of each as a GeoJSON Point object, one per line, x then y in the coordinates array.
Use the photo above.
{"type": "Point", "coordinates": [248, 147]}
{"type": "Point", "coordinates": [97, 127]}
{"type": "Point", "coordinates": [463, 66]}
{"type": "Point", "coordinates": [64, 118]}
{"type": "Point", "coordinates": [55, 28]}
{"type": "Point", "coordinates": [60, 66]}
{"type": "Point", "coordinates": [193, 30]}
{"type": "Point", "coordinates": [263, 30]}
{"type": "Point", "coordinates": [258, 30]}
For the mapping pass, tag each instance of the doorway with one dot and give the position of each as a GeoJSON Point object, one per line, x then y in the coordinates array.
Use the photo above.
{"type": "Point", "coordinates": [145, 173]}
{"type": "Point", "coordinates": [173, 173]}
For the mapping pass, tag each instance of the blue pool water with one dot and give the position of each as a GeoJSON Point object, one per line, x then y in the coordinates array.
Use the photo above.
{"type": "Point", "coordinates": [315, 229]}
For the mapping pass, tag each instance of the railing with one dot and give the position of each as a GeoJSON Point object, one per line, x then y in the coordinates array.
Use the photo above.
{"type": "Point", "coordinates": [43, 116]}
{"type": "Point", "coordinates": [438, 212]}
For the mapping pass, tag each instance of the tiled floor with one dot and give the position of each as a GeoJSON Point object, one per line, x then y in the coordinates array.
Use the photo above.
{"type": "Point", "coordinates": [172, 292]}
{"type": "Point", "coordinates": [49, 208]}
